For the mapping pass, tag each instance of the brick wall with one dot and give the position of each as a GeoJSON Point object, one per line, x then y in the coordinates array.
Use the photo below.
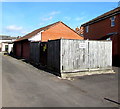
{"type": "Point", "coordinates": [101, 28]}
{"type": "Point", "coordinates": [59, 31]}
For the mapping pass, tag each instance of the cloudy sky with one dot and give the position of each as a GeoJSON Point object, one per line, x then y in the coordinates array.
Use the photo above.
{"type": "Point", "coordinates": [20, 18]}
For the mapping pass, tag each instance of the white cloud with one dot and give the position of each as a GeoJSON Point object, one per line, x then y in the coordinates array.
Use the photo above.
{"type": "Point", "coordinates": [79, 18]}
{"type": "Point", "coordinates": [54, 13]}
{"type": "Point", "coordinates": [47, 18]}
{"type": "Point", "coordinates": [67, 18]}
{"type": "Point", "coordinates": [41, 24]}
{"type": "Point", "coordinates": [24, 32]}
{"type": "Point", "coordinates": [14, 28]}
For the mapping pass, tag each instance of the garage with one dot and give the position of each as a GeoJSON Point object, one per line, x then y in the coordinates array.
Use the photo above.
{"type": "Point", "coordinates": [26, 49]}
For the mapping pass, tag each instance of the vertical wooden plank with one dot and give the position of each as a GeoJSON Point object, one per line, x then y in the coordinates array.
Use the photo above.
{"type": "Point", "coordinates": [73, 56]}
{"type": "Point", "coordinates": [35, 52]}
{"type": "Point", "coordinates": [53, 58]}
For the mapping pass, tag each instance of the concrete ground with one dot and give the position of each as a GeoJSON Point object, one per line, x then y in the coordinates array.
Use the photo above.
{"type": "Point", "coordinates": [26, 86]}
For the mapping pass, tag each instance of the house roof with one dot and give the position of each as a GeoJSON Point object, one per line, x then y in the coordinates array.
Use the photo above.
{"type": "Point", "coordinates": [4, 37]}
{"type": "Point", "coordinates": [29, 35]}
{"type": "Point", "coordinates": [103, 16]}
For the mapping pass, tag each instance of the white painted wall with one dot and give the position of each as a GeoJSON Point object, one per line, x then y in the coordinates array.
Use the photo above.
{"type": "Point", "coordinates": [10, 47]}
{"type": "Point", "coordinates": [6, 42]}
{"type": "Point", "coordinates": [3, 46]}
{"type": "Point", "coordinates": [36, 37]}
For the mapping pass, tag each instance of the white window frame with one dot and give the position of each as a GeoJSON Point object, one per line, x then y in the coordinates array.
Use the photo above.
{"type": "Point", "coordinates": [87, 28]}
{"type": "Point", "coordinates": [112, 21]}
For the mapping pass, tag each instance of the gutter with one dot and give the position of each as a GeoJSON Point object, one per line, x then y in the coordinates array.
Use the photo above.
{"type": "Point", "coordinates": [113, 33]}
{"type": "Point", "coordinates": [99, 19]}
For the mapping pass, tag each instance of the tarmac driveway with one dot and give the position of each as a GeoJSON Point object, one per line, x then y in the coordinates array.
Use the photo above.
{"type": "Point", "coordinates": [27, 86]}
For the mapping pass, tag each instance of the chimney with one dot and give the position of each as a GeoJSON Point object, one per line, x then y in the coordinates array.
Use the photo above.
{"type": "Point", "coordinates": [18, 37]}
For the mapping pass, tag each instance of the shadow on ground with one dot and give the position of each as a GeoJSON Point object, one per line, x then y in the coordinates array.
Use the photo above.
{"type": "Point", "coordinates": [38, 66]}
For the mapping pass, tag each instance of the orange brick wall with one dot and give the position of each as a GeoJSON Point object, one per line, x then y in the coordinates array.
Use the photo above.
{"type": "Point", "coordinates": [59, 31]}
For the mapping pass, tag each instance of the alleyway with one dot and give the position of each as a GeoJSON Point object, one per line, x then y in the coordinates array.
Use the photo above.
{"type": "Point", "coordinates": [25, 85]}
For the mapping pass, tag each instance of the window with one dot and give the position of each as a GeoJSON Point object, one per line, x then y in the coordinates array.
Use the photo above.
{"type": "Point", "coordinates": [87, 29]}
{"type": "Point", "coordinates": [112, 21]}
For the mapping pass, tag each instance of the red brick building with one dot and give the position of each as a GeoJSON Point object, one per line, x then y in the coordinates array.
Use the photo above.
{"type": "Point", "coordinates": [105, 27]}
{"type": "Point", "coordinates": [51, 32]}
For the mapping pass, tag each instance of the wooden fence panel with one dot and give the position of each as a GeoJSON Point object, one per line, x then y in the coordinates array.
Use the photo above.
{"type": "Point", "coordinates": [100, 54]}
{"type": "Point", "coordinates": [68, 55]}
{"type": "Point", "coordinates": [35, 52]}
{"type": "Point", "coordinates": [53, 56]}
{"type": "Point", "coordinates": [78, 55]}
{"type": "Point", "coordinates": [74, 55]}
